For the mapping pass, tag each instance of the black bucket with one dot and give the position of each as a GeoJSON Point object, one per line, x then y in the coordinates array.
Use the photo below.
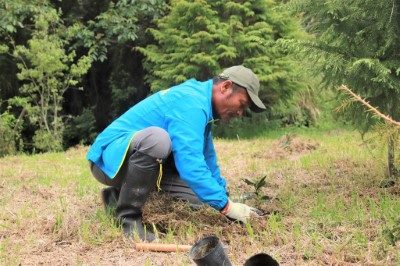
{"type": "Point", "coordinates": [209, 252]}
{"type": "Point", "coordinates": [261, 259]}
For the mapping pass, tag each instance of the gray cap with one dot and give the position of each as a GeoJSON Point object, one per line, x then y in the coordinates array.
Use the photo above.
{"type": "Point", "coordinates": [245, 78]}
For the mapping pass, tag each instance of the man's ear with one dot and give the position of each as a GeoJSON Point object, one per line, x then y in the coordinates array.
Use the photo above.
{"type": "Point", "coordinates": [225, 86]}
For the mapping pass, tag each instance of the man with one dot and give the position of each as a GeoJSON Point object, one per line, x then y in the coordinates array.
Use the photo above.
{"type": "Point", "coordinates": [172, 127]}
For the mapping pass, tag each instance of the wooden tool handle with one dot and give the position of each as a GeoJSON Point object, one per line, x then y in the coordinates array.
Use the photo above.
{"type": "Point", "coordinates": [162, 247]}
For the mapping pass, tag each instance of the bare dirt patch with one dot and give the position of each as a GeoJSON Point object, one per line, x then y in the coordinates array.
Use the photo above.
{"type": "Point", "coordinates": [288, 147]}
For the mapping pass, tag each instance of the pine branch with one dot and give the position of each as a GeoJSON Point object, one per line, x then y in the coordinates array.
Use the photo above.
{"type": "Point", "coordinates": [370, 107]}
{"type": "Point", "coordinates": [391, 13]}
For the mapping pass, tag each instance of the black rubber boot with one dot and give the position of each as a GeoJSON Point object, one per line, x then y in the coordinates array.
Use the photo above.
{"type": "Point", "coordinates": [109, 197]}
{"type": "Point", "coordinates": [141, 178]}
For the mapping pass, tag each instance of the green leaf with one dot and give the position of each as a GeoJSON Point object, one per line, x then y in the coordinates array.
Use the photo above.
{"type": "Point", "coordinates": [248, 182]}
{"type": "Point", "coordinates": [265, 197]}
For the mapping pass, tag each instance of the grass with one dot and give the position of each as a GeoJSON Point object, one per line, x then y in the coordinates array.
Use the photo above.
{"type": "Point", "coordinates": [325, 207]}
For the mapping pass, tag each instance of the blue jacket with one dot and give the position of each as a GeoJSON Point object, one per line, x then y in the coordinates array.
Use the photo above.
{"type": "Point", "coordinates": [185, 112]}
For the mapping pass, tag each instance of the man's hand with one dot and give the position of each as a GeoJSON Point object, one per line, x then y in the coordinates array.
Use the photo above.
{"type": "Point", "coordinates": [239, 211]}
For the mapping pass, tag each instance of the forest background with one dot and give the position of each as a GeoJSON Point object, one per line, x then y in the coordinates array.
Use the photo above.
{"type": "Point", "coordinates": [68, 68]}
{"type": "Point", "coordinates": [330, 194]}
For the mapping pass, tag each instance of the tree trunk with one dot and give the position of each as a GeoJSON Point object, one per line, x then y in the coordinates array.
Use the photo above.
{"type": "Point", "coordinates": [391, 155]}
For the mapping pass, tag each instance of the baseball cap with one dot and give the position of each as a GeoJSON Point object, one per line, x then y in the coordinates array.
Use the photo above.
{"type": "Point", "coordinates": [245, 78]}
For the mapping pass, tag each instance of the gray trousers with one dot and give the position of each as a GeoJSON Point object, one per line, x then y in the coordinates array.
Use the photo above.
{"type": "Point", "coordinates": [155, 142]}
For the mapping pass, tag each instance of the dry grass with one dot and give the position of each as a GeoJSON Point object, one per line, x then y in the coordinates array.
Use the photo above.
{"type": "Point", "coordinates": [325, 208]}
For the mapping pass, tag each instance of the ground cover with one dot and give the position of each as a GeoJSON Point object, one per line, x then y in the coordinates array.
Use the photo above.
{"type": "Point", "coordinates": [324, 206]}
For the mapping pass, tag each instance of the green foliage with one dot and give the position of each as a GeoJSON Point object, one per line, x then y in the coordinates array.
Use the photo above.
{"type": "Point", "coordinates": [56, 43]}
{"type": "Point", "coordinates": [121, 23]}
{"type": "Point", "coordinates": [121, 18]}
{"type": "Point", "coordinates": [258, 184]}
{"type": "Point", "coordinates": [122, 95]}
{"type": "Point", "coordinates": [8, 135]}
{"type": "Point", "coordinates": [48, 71]}
{"type": "Point", "coordinates": [13, 14]}
{"type": "Point", "coordinates": [199, 38]}
{"type": "Point", "coordinates": [11, 127]}
{"type": "Point", "coordinates": [81, 129]}
{"type": "Point", "coordinates": [356, 44]}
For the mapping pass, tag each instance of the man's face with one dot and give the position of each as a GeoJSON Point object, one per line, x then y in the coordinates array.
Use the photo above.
{"type": "Point", "coordinates": [229, 103]}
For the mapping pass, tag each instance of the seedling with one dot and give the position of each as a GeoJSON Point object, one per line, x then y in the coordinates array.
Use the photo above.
{"type": "Point", "coordinates": [257, 185]}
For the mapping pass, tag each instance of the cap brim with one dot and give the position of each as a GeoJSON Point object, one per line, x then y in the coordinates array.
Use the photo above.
{"type": "Point", "coordinates": [257, 105]}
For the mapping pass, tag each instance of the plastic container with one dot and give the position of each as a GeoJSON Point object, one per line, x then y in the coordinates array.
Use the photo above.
{"type": "Point", "coordinates": [261, 259]}
{"type": "Point", "coordinates": [209, 252]}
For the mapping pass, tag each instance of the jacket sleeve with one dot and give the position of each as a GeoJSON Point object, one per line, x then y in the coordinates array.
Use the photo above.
{"type": "Point", "coordinates": [186, 126]}
{"type": "Point", "coordinates": [211, 159]}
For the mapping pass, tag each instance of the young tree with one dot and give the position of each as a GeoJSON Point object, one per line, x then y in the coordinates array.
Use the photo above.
{"type": "Point", "coordinates": [356, 43]}
{"type": "Point", "coordinates": [48, 71]}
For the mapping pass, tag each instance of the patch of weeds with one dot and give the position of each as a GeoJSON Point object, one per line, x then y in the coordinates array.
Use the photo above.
{"type": "Point", "coordinates": [6, 196]}
{"type": "Point", "coordinates": [188, 230]}
{"type": "Point", "coordinates": [86, 187]}
{"type": "Point", "coordinates": [316, 243]}
{"type": "Point", "coordinates": [7, 252]}
{"type": "Point", "coordinates": [388, 206]}
{"type": "Point", "coordinates": [338, 211]}
{"type": "Point", "coordinates": [110, 212]}
{"type": "Point", "coordinates": [392, 232]}
{"type": "Point", "coordinates": [287, 200]}
{"type": "Point", "coordinates": [59, 215]}
{"type": "Point", "coordinates": [312, 248]}
{"type": "Point", "coordinates": [318, 211]}
{"type": "Point", "coordinates": [250, 231]}
{"type": "Point", "coordinates": [253, 166]}
{"type": "Point", "coordinates": [91, 231]}
{"type": "Point", "coordinates": [326, 210]}
{"type": "Point", "coordinates": [28, 211]}
{"type": "Point", "coordinates": [275, 224]}
{"type": "Point", "coordinates": [308, 254]}
{"type": "Point", "coordinates": [82, 189]}
{"type": "Point", "coordinates": [306, 162]}
{"type": "Point", "coordinates": [360, 238]}
{"type": "Point", "coordinates": [373, 208]}
{"type": "Point", "coordinates": [84, 232]}
{"type": "Point", "coordinates": [44, 179]}
{"type": "Point", "coordinates": [58, 223]}
{"type": "Point", "coordinates": [297, 233]}
{"type": "Point", "coordinates": [356, 210]}
{"type": "Point", "coordinates": [154, 230]}
{"type": "Point", "coordinates": [169, 236]}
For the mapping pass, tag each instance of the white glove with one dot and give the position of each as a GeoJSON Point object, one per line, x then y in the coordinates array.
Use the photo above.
{"type": "Point", "coordinates": [239, 211]}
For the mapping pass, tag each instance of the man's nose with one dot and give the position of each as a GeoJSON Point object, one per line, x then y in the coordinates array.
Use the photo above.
{"type": "Point", "coordinates": [239, 112]}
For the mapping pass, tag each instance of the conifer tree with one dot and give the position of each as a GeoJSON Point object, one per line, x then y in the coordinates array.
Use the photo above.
{"type": "Point", "coordinates": [357, 44]}
{"type": "Point", "coordinates": [199, 38]}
